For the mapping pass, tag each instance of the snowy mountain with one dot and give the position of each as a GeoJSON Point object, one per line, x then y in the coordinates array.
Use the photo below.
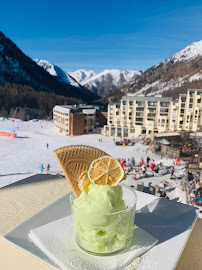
{"type": "Point", "coordinates": [19, 69]}
{"type": "Point", "coordinates": [173, 76]}
{"type": "Point", "coordinates": [57, 72]}
{"type": "Point", "coordinates": [82, 75]}
{"type": "Point", "coordinates": [108, 80]}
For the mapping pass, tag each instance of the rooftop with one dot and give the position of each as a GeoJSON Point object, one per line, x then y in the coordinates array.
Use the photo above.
{"type": "Point", "coordinates": [141, 98]}
{"type": "Point", "coordinates": [73, 109]}
{"type": "Point", "coordinates": [169, 134]}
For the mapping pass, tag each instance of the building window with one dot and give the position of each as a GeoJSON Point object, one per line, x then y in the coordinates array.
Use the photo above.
{"type": "Point", "coordinates": [132, 130]}
{"type": "Point", "coordinates": [124, 102]}
{"type": "Point", "coordinates": [164, 104]}
{"type": "Point", "coordinates": [163, 110]}
{"type": "Point", "coordinates": [119, 132]}
{"type": "Point", "coordinates": [140, 103]}
{"type": "Point", "coordinates": [181, 122]}
{"type": "Point", "coordinates": [139, 114]}
{"type": "Point", "coordinates": [130, 103]}
{"type": "Point", "coordinates": [139, 119]}
{"type": "Point", "coordinates": [113, 131]}
{"type": "Point", "coordinates": [125, 134]}
{"type": "Point", "coordinates": [139, 109]}
{"type": "Point", "coordinates": [152, 103]}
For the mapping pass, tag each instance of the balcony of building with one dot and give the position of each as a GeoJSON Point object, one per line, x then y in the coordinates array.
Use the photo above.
{"type": "Point", "coordinates": [152, 104]}
{"type": "Point", "coordinates": [164, 104]}
{"type": "Point", "coordinates": [140, 103]}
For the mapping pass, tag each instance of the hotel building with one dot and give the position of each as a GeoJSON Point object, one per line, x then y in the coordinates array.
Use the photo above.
{"type": "Point", "coordinates": [74, 120]}
{"type": "Point", "coordinates": [189, 116]}
{"type": "Point", "coordinates": [137, 115]}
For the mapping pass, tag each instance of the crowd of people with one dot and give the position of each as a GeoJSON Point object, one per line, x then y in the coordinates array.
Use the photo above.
{"type": "Point", "coordinates": [141, 166]}
{"type": "Point", "coordinates": [195, 187]}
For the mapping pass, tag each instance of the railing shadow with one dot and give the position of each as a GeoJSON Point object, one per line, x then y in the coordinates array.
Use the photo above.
{"type": "Point", "coordinates": [165, 219]}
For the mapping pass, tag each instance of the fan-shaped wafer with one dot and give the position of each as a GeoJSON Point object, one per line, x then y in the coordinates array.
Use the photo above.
{"type": "Point", "coordinates": [74, 160]}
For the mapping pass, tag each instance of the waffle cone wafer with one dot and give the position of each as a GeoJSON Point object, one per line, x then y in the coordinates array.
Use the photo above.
{"type": "Point", "coordinates": [74, 160]}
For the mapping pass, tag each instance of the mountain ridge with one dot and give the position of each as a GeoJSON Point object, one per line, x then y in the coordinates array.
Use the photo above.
{"type": "Point", "coordinates": [18, 68]}
{"type": "Point", "coordinates": [108, 80]}
{"type": "Point", "coordinates": [172, 76]}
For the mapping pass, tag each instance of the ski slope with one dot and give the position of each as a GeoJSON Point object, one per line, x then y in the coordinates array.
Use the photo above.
{"type": "Point", "coordinates": [21, 157]}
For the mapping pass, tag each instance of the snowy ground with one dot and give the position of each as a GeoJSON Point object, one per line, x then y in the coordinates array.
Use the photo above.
{"type": "Point", "coordinates": [21, 157]}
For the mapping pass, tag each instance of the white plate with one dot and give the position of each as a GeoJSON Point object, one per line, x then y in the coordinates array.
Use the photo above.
{"type": "Point", "coordinates": [170, 222]}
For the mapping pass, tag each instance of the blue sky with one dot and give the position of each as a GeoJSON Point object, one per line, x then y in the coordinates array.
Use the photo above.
{"type": "Point", "coordinates": [98, 35]}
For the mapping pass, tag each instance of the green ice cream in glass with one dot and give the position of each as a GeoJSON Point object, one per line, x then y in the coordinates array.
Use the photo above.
{"type": "Point", "coordinates": [103, 217]}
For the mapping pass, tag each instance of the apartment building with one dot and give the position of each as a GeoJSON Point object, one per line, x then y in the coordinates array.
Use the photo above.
{"type": "Point", "coordinates": [137, 115]}
{"type": "Point", "coordinates": [189, 115]}
{"type": "Point", "coordinates": [74, 120]}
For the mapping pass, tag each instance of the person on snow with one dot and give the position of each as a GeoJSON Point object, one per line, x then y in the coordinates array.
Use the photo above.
{"type": "Point", "coordinates": [41, 168]}
{"type": "Point", "coordinates": [143, 169]}
{"type": "Point", "coordinates": [172, 172]}
{"type": "Point", "coordinates": [48, 168]}
{"type": "Point", "coordinates": [148, 160]}
{"type": "Point", "coordinates": [142, 161]}
{"type": "Point", "coordinates": [152, 165]}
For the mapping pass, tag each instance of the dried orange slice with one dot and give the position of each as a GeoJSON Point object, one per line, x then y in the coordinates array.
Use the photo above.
{"type": "Point", "coordinates": [83, 181]}
{"type": "Point", "coordinates": [105, 171]}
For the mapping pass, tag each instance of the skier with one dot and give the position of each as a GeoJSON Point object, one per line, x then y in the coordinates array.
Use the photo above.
{"type": "Point", "coordinates": [47, 146]}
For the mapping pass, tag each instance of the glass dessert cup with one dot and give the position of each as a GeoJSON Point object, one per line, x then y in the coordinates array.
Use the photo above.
{"type": "Point", "coordinates": [105, 234]}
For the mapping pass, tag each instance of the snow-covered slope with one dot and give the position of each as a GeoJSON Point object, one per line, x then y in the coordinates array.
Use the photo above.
{"type": "Point", "coordinates": [57, 72]}
{"type": "Point", "coordinates": [173, 76]}
{"type": "Point", "coordinates": [109, 80]}
{"type": "Point", "coordinates": [82, 75]}
{"type": "Point", "coordinates": [188, 53]}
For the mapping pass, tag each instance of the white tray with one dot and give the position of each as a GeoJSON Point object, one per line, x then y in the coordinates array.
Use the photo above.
{"type": "Point", "coordinates": [170, 222]}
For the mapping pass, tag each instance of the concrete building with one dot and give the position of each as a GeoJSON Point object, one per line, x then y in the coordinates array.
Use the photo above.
{"type": "Point", "coordinates": [189, 116]}
{"type": "Point", "coordinates": [74, 120]}
{"type": "Point", "coordinates": [136, 115]}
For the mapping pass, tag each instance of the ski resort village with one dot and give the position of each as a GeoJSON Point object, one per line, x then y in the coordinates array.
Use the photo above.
{"type": "Point", "coordinates": [100, 162]}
